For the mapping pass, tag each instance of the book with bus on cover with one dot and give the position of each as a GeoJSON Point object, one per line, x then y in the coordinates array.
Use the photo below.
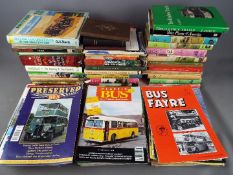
{"type": "Point", "coordinates": [113, 127]}
{"type": "Point", "coordinates": [179, 125]}
{"type": "Point", "coordinates": [42, 130]}
{"type": "Point", "coordinates": [187, 19]}
{"type": "Point", "coordinates": [43, 27]}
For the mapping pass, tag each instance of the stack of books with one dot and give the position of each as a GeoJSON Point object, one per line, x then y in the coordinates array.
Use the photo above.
{"type": "Point", "coordinates": [48, 44]}
{"type": "Point", "coordinates": [178, 39]}
{"type": "Point", "coordinates": [114, 53]}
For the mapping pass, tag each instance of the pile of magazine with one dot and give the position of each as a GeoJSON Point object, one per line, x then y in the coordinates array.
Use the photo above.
{"type": "Point", "coordinates": [112, 120]}
{"type": "Point", "coordinates": [48, 45]}
{"type": "Point", "coordinates": [179, 130]}
{"type": "Point", "coordinates": [115, 53]}
{"type": "Point", "coordinates": [178, 39]}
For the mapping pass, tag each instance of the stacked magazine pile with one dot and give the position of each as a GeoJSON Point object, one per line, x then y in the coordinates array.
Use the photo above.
{"type": "Point", "coordinates": [115, 53]}
{"type": "Point", "coordinates": [179, 129]}
{"type": "Point", "coordinates": [48, 44]}
{"type": "Point", "coordinates": [113, 127]}
{"type": "Point", "coordinates": [178, 39]}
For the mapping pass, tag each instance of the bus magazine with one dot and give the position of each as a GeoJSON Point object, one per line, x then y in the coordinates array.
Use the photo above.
{"type": "Point", "coordinates": [179, 126]}
{"type": "Point", "coordinates": [42, 130]}
{"type": "Point", "coordinates": [113, 127]}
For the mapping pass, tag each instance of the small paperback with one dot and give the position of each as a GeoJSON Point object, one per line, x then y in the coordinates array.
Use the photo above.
{"type": "Point", "coordinates": [179, 126]}
{"type": "Point", "coordinates": [42, 130]}
{"type": "Point", "coordinates": [113, 128]}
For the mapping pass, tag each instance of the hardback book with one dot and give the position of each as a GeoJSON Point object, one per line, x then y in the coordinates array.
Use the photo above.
{"type": "Point", "coordinates": [42, 27]}
{"type": "Point", "coordinates": [90, 42]}
{"type": "Point", "coordinates": [180, 127]}
{"type": "Point", "coordinates": [113, 127]}
{"type": "Point", "coordinates": [203, 20]}
{"type": "Point", "coordinates": [106, 30]}
{"type": "Point", "coordinates": [42, 129]}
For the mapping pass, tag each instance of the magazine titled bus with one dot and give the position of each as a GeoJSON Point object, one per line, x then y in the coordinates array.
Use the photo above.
{"type": "Point", "coordinates": [113, 126]}
{"type": "Point", "coordinates": [42, 130]}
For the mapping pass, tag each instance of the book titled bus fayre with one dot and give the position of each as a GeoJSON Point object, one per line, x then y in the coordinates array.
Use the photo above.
{"type": "Point", "coordinates": [180, 128]}
{"type": "Point", "coordinates": [42, 27]}
{"type": "Point", "coordinates": [113, 128]}
{"type": "Point", "coordinates": [42, 130]}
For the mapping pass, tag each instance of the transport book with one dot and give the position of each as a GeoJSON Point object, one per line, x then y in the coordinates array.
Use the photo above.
{"type": "Point", "coordinates": [179, 125]}
{"type": "Point", "coordinates": [187, 19]}
{"type": "Point", "coordinates": [113, 127]}
{"type": "Point", "coordinates": [42, 27]}
{"type": "Point", "coordinates": [42, 129]}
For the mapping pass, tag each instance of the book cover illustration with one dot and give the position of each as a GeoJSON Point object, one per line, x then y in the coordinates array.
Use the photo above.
{"type": "Point", "coordinates": [190, 19]}
{"type": "Point", "coordinates": [42, 130]}
{"type": "Point", "coordinates": [113, 128]}
{"type": "Point", "coordinates": [180, 127]}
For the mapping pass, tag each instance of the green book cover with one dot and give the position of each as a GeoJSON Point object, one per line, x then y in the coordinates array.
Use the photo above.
{"type": "Point", "coordinates": [192, 19]}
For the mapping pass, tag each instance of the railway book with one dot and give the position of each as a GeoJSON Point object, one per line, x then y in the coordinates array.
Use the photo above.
{"type": "Point", "coordinates": [53, 28]}
{"type": "Point", "coordinates": [180, 129]}
{"type": "Point", "coordinates": [113, 127]}
{"type": "Point", "coordinates": [42, 129]}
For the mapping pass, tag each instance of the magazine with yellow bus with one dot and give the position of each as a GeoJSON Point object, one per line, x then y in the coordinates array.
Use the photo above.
{"type": "Point", "coordinates": [113, 126]}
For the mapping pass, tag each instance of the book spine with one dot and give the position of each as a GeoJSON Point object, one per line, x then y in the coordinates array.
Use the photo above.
{"type": "Point", "coordinates": [185, 33]}
{"type": "Point", "coordinates": [95, 62]}
{"type": "Point", "coordinates": [112, 57]}
{"type": "Point", "coordinates": [58, 60]}
{"type": "Point", "coordinates": [42, 41]}
{"type": "Point", "coordinates": [183, 39]}
{"type": "Point", "coordinates": [29, 50]}
{"type": "Point", "coordinates": [179, 46]}
{"type": "Point", "coordinates": [172, 81]}
{"type": "Point", "coordinates": [177, 52]}
{"type": "Point", "coordinates": [122, 72]}
{"type": "Point", "coordinates": [177, 59]}
{"type": "Point", "coordinates": [87, 41]}
{"type": "Point", "coordinates": [114, 68]}
{"type": "Point", "coordinates": [114, 76]}
{"type": "Point", "coordinates": [53, 69]}
{"type": "Point", "coordinates": [175, 76]}
{"type": "Point", "coordinates": [192, 85]}
{"type": "Point", "coordinates": [56, 75]}
{"type": "Point", "coordinates": [178, 69]}
{"type": "Point", "coordinates": [97, 81]}
{"type": "Point", "coordinates": [171, 63]}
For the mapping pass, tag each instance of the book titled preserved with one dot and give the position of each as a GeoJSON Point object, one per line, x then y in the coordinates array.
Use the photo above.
{"type": "Point", "coordinates": [42, 130]}
{"type": "Point", "coordinates": [113, 126]}
{"type": "Point", "coordinates": [179, 125]}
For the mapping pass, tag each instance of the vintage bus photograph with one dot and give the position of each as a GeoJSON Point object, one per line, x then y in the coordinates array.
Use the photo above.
{"type": "Point", "coordinates": [184, 120]}
{"type": "Point", "coordinates": [47, 122]}
{"type": "Point", "coordinates": [194, 143]}
{"type": "Point", "coordinates": [113, 124]}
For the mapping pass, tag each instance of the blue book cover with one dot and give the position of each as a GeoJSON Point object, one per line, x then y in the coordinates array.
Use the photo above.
{"type": "Point", "coordinates": [42, 130]}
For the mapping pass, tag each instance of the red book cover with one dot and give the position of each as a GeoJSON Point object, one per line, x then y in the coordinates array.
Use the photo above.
{"type": "Point", "coordinates": [48, 60]}
{"type": "Point", "coordinates": [180, 128]}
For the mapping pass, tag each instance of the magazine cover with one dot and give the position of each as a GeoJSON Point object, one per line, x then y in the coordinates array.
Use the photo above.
{"type": "Point", "coordinates": [113, 126]}
{"type": "Point", "coordinates": [42, 130]}
{"type": "Point", "coordinates": [180, 127]}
